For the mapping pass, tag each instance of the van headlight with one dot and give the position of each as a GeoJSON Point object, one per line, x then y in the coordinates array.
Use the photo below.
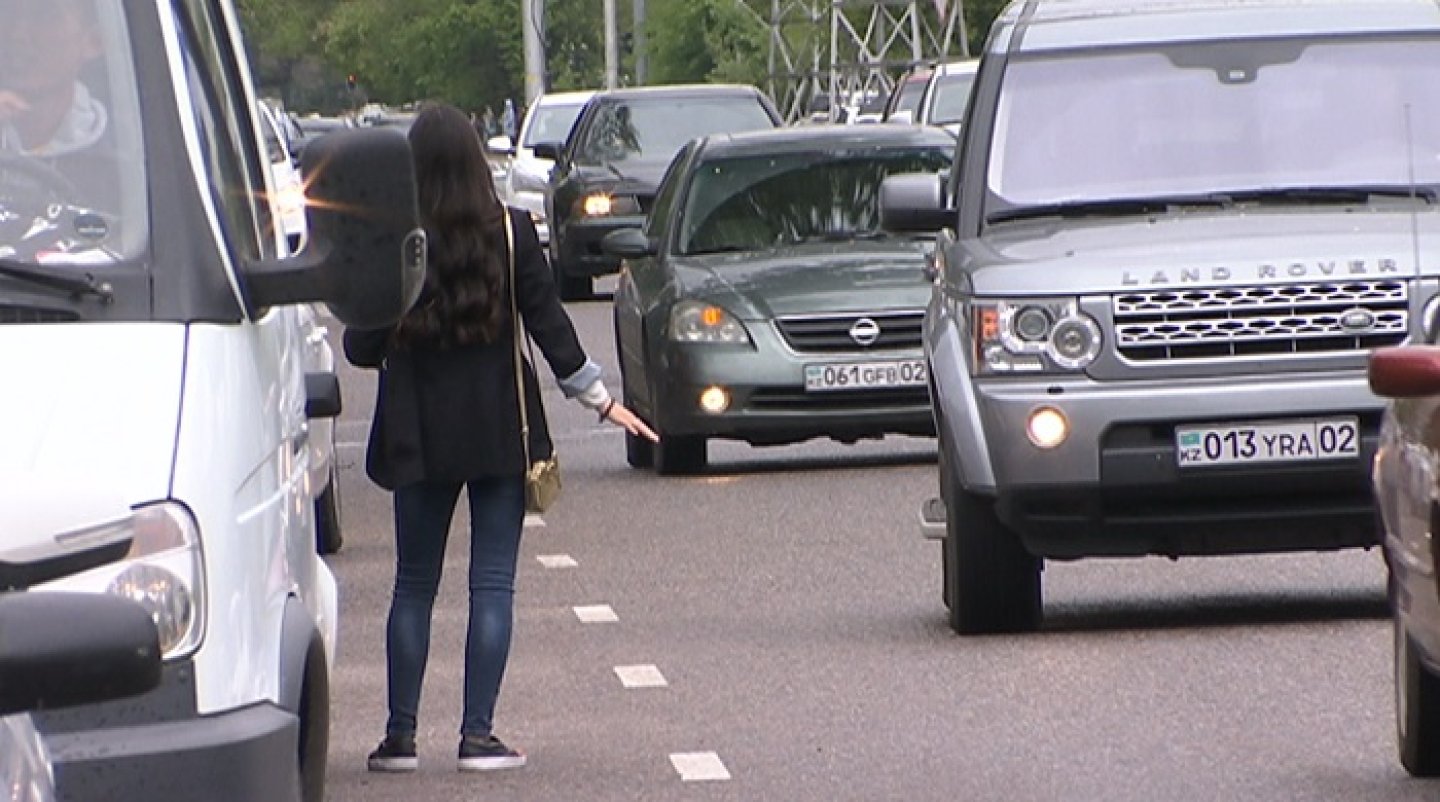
{"type": "Point", "coordinates": [1032, 336]}
{"type": "Point", "coordinates": [164, 573]}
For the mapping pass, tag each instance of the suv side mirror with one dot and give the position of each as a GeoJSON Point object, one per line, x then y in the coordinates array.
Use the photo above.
{"type": "Point", "coordinates": [500, 145]}
{"type": "Point", "coordinates": [628, 243]}
{"type": "Point", "coordinates": [915, 203]}
{"type": "Point", "coordinates": [366, 252]}
{"type": "Point", "coordinates": [67, 649]}
{"type": "Point", "coordinates": [547, 150]}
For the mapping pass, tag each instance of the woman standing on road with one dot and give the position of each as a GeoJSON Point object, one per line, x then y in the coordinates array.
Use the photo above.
{"type": "Point", "coordinates": [447, 418]}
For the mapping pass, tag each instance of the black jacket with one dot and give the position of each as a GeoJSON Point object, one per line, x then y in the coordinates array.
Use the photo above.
{"type": "Point", "coordinates": [451, 415]}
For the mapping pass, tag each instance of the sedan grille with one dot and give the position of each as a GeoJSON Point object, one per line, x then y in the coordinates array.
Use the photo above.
{"type": "Point", "coordinates": [1251, 321]}
{"type": "Point", "coordinates": [891, 331]}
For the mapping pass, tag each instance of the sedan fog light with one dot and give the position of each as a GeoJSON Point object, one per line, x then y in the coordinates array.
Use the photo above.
{"type": "Point", "coordinates": [1047, 428]}
{"type": "Point", "coordinates": [715, 400]}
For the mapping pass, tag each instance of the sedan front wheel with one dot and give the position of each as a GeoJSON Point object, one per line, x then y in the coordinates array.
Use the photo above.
{"type": "Point", "coordinates": [1417, 708]}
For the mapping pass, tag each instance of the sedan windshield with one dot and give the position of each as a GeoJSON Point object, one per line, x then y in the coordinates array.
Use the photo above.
{"type": "Point", "coordinates": [1211, 119]}
{"type": "Point", "coordinates": [71, 164]}
{"type": "Point", "coordinates": [655, 128]}
{"type": "Point", "coordinates": [775, 201]}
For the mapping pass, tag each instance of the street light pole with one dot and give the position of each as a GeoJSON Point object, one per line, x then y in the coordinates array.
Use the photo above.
{"type": "Point", "coordinates": [642, 45]}
{"type": "Point", "coordinates": [612, 47]}
{"type": "Point", "coordinates": [532, 28]}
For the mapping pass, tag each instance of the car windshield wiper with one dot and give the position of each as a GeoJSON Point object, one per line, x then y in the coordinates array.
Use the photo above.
{"type": "Point", "coordinates": [1338, 194]}
{"type": "Point", "coordinates": [75, 285]}
{"type": "Point", "coordinates": [1115, 207]}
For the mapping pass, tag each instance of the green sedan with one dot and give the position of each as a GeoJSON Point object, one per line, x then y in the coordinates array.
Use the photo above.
{"type": "Point", "coordinates": [762, 302]}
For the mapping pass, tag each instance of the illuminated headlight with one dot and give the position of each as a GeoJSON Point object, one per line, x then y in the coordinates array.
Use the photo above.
{"type": "Point", "coordinates": [694, 322]}
{"type": "Point", "coordinates": [291, 200]}
{"type": "Point", "coordinates": [164, 572]}
{"type": "Point", "coordinates": [715, 400]}
{"type": "Point", "coordinates": [603, 204]}
{"type": "Point", "coordinates": [1047, 428]}
{"type": "Point", "coordinates": [1032, 337]}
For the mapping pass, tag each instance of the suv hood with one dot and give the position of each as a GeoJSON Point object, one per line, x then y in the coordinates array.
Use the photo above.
{"type": "Point", "coordinates": [1226, 249]}
{"type": "Point", "coordinates": [630, 177]}
{"type": "Point", "coordinates": [97, 404]}
{"type": "Point", "coordinates": [809, 279]}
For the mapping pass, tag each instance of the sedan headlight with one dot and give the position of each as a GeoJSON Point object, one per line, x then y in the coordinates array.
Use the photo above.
{"type": "Point", "coordinates": [603, 204]}
{"type": "Point", "coordinates": [164, 572]}
{"type": "Point", "coordinates": [1032, 336]}
{"type": "Point", "coordinates": [695, 322]}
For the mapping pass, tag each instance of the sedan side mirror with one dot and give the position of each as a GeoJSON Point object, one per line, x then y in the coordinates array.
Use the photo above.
{"type": "Point", "coordinates": [67, 649]}
{"type": "Point", "coordinates": [547, 150]}
{"type": "Point", "coordinates": [1410, 371]}
{"type": "Point", "coordinates": [366, 252]}
{"type": "Point", "coordinates": [915, 203]}
{"type": "Point", "coordinates": [628, 243]}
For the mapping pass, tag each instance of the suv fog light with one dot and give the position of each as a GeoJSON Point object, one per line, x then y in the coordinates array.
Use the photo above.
{"type": "Point", "coordinates": [1047, 428]}
{"type": "Point", "coordinates": [715, 400]}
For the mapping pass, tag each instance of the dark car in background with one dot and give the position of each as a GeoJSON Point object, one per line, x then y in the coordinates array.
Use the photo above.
{"type": "Point", "coordinates": [762, 302]}
{"type": "Point", "coordinates": [606, 174]}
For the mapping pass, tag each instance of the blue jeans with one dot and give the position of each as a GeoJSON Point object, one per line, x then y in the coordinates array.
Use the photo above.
{"type": "Point", "coordinates": [422, 523]}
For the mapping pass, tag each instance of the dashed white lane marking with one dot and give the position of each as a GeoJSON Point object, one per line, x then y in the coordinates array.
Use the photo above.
{"type": "Point", "coordinates": [596, 614]}
{"type": "Point", "coordinates": [640, 677]}
{"type": "Point", "coordinates": [557, 561]}
{"type": "Point", "coordinates": [534, 522]}
{"type": "Point", "coordinates": [699, 766]}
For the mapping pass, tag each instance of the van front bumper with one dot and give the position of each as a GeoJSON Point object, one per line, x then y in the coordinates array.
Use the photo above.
{"type": "Point", "coordinates": [157, 746]}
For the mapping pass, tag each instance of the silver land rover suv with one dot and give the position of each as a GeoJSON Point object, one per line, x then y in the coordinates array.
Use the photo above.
{"type": "Point", "coordinates": [1172, 233]}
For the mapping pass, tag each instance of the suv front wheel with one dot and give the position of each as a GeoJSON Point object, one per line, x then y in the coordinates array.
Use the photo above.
{"type": "Point", "coordinates": [992, 583]}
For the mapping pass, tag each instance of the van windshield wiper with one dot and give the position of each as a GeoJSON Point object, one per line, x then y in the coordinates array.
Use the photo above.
{"type": "Point", "coordinates": [1113, 207]}
{"type": "Point", "coordinates": [78, 286]}
{"type": "Point", "coordinates": [1337, 194]}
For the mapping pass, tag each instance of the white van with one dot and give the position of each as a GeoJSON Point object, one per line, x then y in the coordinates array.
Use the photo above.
{"type": "Point", "coordinates": [154, 350]}
{"type": "Point", "coordinates": [527, 179]}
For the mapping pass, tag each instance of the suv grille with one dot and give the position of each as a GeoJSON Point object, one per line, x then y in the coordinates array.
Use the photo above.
{"type": "Point", "coordinates": [830, 333]}
{"type": "Point", "coordinates": [26, 314]}
{"type": "Point", "coordinates": [1248, 321]}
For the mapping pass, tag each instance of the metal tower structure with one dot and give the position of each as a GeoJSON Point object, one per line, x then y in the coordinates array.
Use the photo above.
{"type": "Point", "coordinates": [841, 51]}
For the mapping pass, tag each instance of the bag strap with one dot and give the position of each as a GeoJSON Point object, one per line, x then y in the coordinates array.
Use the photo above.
{"type": "Point", "coordinates": [515, 320]}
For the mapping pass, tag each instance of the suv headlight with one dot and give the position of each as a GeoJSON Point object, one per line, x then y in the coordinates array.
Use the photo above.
{"type": "Point", "coordinates": [695, 322]}
{"type": "Point", "coordinates": [164, 572]}
{"type": "Point", "coordinates": [604, 204]}
{"type": "Point", "coordinates": [1032, 336]}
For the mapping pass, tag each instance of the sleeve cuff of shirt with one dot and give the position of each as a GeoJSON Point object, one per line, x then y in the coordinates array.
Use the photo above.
{"type": "Point", "coordinates": [583, 381]}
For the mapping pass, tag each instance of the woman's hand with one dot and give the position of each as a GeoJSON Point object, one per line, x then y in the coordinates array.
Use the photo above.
{"type": "Point", "coordinates": [618, 414]}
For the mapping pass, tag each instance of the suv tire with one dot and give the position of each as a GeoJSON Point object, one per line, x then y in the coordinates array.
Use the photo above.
{"type": "Point", "coordinates": [992, 584]}
{"type": "Point", "coordinates": [1417, 709]}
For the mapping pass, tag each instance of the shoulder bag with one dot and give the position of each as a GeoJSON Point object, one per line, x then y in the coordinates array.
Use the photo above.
{"type": "Point", "coordinates": [542, 477]}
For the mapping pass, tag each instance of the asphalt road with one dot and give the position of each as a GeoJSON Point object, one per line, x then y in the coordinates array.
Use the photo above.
{"type": "Point", "coordinates": [793, 615]}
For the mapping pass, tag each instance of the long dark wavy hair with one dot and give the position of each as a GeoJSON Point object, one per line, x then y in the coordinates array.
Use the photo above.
{"type": "Point", "coordinates": [465, 283]}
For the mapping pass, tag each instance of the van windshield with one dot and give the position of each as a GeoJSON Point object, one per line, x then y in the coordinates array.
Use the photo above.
{"type": "Point", "coordinates": [72, 183]}
{"type": "Point", "coordinates": [1217, 119]}
{"type": "Point", "coordinates": [551, 123]}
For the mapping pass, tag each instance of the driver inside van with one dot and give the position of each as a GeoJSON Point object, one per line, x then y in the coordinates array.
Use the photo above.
{"type": "Point", "coordinates": [45, 110]}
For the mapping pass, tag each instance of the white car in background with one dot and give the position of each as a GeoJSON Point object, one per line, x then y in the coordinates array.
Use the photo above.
{"type": "Point", "coordinates": [288, 190]}
{"type": "Point", "coordinates": [548, 121]}
{"type": "Point", "coordinates": [947, 96]}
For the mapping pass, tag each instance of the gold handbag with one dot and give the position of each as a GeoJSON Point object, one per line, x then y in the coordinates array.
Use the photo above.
{"type": "Point", "coordinates": [542, 477]}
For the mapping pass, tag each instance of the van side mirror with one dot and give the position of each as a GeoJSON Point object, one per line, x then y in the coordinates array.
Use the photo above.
{"type": "Point", "coordinates": [628, 243]}
{"type": "Point", "coordinates": [915, 203]}
{"type": "Point", "coordinates": [500, 145]}
{"type": "Point", "coordinates": [67, 649]}
{"type": "Point", "coordinates": [365, 257]}
{"type": "Point", "coordinates": [547, 150]}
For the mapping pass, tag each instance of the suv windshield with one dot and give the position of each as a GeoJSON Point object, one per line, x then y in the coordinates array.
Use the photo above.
{"type": "Point", "coordinates": [655, 128]}
{"type": "Point", "coordinates": [72, 183]}
{"type": "Point", "coordinates": [1216, 119]}
{"type": "Point", "coordinates": [551, 123]}
{"type": "Point", "coordinates": [774, 201]}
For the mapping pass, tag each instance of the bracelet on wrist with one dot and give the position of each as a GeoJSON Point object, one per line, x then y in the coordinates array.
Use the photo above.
{"type": "Point", "coordinates": [605, 410]}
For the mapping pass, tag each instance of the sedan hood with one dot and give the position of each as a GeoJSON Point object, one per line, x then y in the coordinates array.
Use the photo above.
{"type": "Point", "coordinates": [810, 279]}
{"type": "Point", "coordinates": [1227, 249]}
{"type": "Point", "coordinates": [97, 405]}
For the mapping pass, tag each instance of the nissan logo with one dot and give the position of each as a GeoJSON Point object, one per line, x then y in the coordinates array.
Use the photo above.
{"type": "Point", "coordinates": [1358, 321]}
{"type": "Point", "coordinates": [865, 332]}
